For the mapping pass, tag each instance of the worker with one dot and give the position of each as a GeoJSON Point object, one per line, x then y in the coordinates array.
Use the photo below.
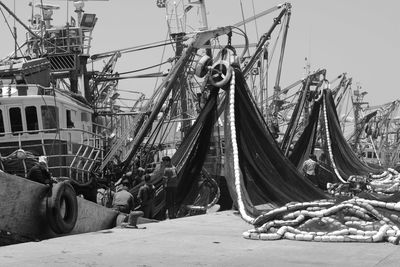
{"type": "Point", "coordinates": [123, 201]}
{"type": "Point", "coordinates": [170, 186]}
{"type": "Point", "coordinates": [146, 197]}
{"type": "Point", "coordinates": [40, 172]}
{"type": "Point", "coordinates": [138, 177]}
{"type": "Point", "coordinates": [311, 169]}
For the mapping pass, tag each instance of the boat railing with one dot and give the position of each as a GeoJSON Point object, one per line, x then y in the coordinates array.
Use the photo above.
{"type": "Point", "coordinates": [54, 130]}
{"type": "Point", "coordinates": [60, 41]}
{"type": "Point", "coordinates": [75, 161]}
{"type": "Point", "coordinates": [11, 90]}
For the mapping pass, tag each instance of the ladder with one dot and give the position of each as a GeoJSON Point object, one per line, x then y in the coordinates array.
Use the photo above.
{"type": "Point", "coordinates": [83, 163]}
{"type": "Point", "coordinates": [120, 142]}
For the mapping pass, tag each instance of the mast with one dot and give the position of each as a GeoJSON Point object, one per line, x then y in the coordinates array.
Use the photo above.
{"type": "Point", "coordinates": [176, 16]}
{"type": "Point", "coordinates": [276, 102]}
{"type": "Point", "coordinates": [203, 13]}
{"type": "Point", "coordinates": [357, 103]}
{"type": "Point", "coordinates": [167, 85]}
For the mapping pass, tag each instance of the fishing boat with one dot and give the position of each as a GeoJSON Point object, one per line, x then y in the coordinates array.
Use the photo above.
{"type": "Point", "coordinates": [48, 110]}
{"type": "Point", "coordinates": [55, 108]}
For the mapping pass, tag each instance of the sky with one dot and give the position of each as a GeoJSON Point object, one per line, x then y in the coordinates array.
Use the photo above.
{"type": "Point", "coordinates": [361, 38]}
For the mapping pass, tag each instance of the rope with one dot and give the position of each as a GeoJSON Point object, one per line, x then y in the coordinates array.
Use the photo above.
{"type": "Point", "coordinates": [236, 166]}
{"type": "Point", "coordinates": [328, 139]}
{"type": "Point", "coordinates": [358, 221]}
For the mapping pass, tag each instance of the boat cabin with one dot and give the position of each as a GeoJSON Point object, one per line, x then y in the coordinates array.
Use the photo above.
{"type": "Point", "coordinates": [51, 122]}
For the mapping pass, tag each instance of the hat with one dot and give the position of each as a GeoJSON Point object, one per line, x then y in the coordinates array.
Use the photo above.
{"type": "Point", "coordinates": [43, 159]}
{"type": "Point", "coordinates": [166, 158]}
{"type": "Point", "coordinates": [128, 174]}
{"type": "Point", "coordinates": [140, 169]}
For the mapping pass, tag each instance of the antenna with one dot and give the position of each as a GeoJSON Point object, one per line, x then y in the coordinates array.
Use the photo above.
{"type": "Point", "coordinates": [307, 67]}
{"type": "Point", "coordinates": [47, 10]}
{"type": "Point", "coordinates": [177, 14]}
{"type": "Point", "coordinates": [79, 5]}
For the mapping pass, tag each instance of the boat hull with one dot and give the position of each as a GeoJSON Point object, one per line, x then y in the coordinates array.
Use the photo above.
{"type": "Point", "coordinates": [23, 210]}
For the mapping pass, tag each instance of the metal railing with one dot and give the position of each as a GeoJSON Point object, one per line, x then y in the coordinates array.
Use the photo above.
{"type": "Point", "coordinates": [60, 41]}
{"type": "Point", "coordinates": [11, 90]}
{"type": "Point", "coordinates": [75, 165]}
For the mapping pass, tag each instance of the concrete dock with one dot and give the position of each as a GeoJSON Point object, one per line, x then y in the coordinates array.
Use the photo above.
{"type": "Point", "coordinates": [207, 240]}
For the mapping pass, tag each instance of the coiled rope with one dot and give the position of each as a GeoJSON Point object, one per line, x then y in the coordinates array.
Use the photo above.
{"type": "Point", "coordinates": [354, 220]}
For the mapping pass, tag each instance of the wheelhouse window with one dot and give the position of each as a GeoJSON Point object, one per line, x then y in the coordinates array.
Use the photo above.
{"type": "Point", "coordinates": [16, 120]}
{"type": "Point", "coordinates": [49, 117]}
{"type": "Point", "coordinates": [70, 123]}
{"type": "Point", "coordinates": [31, 119]}
{"type": "Point", "coordinates": [85, 116]}
{"type": "Point", "coordinates": [1, 123]}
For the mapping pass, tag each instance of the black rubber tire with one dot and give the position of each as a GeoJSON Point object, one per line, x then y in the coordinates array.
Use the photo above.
{"type": "Point", "coordinates": [221, 73]}
{"type": "Point", "coordinates": [62, 223]}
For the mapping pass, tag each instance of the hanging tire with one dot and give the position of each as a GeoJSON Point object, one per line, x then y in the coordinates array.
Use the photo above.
{"type": "Point", "coordinates": [62, 208]}
{"type": "Point", "coordinates": [221, 73]}
{"type": "Point", "coordinates": [201, 66]}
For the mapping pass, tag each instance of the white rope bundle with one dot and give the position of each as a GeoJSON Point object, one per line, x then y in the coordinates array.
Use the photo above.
{"type": "Point", "coordinates": [236, 166]}
{"type": "Point", "coordinates": [379, 176]}
{"type": "Point", "coordinates": [363, 224]}
{"type": "Point", "coordinates": [328, 139]}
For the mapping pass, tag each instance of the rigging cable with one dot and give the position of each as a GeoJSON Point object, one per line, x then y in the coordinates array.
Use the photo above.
{"type": "Point", "coordinates": [255, 20]}
{"type": "Point", "coordinates": [131, 49]}
{"type": "Point", "coordinates": [155, 92]}
{"type": "Point", "coordinates": [13, 35]}
{"type": "Point", "coordinates": [138, 70]}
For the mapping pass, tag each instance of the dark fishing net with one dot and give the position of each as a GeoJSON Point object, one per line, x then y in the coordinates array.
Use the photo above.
{"type": "Point", "coordinates": [306, 145]}
{"type": "Point", "coordinates": [188, 159]}
{"type": "Point", "coordinates": [347, 162]}
{"type": "Point", "coordinates": [306, 142]}
{"type": "Point", "coordinates": [267, 175]}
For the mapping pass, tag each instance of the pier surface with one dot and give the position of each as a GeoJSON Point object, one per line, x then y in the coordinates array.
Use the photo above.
{"type": "Point", "coordinates": [207, 240]}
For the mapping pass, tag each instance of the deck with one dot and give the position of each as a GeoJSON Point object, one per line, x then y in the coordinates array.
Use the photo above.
{"type": "Point", "coordinates": [207, 240]}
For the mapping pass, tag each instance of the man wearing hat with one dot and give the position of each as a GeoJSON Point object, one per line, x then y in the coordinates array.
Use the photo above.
{"type": "Point", "coordinates": [40, 172]}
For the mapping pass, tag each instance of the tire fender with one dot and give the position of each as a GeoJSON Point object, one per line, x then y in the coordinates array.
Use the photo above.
{"type": "Point", "coordinates": [62, 208]}
{"type": "Point", "coordinates": [221, 73]}
{"type": "Point", "coordinates": [201, 68]}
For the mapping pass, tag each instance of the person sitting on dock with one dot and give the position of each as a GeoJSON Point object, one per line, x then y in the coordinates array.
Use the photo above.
{"type": "Point", "coordinates": [170, 183]}
{"type": "Point", "coordinates": [146, 197]}
{"type": "Point", "coordinates": [123, 201]}
{"type": "Point", "coordinates": [40, 172]}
